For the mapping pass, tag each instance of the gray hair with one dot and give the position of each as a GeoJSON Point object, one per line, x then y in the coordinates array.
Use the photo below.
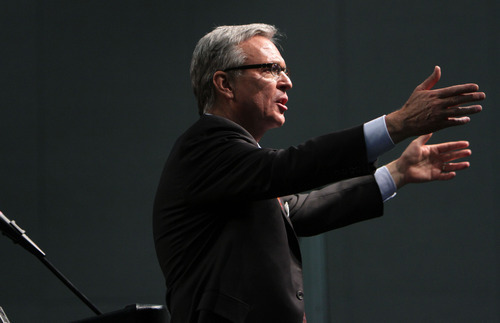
{"type": "Point", "coordinates": [217, 51]}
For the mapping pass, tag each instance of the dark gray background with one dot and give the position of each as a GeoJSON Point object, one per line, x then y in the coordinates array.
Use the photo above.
{"type": "Point", "coordinates": [94, 93]}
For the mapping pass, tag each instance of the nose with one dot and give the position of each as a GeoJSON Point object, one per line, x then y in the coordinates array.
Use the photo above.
{"type": "Point", "coordinates": [284, 82]}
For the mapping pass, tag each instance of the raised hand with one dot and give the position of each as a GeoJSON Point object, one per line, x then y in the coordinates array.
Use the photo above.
{"type": "Point", "coordinates": [429, 110]}
{"type": "Point", "coordinates": [424, 163]}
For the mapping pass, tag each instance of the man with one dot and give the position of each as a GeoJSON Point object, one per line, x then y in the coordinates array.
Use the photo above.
{"type": "Point", "coordinates": [226, 243]}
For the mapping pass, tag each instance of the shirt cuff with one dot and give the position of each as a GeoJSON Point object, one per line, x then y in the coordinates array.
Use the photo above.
{"type": "Point", "coordinates": [385, 183]}
{"type": "Point", "coordinates": [377, 138]}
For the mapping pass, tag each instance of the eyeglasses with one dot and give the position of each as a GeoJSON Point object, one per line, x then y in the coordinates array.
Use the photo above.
{"type": "Point", "coordinates": [275, 68]}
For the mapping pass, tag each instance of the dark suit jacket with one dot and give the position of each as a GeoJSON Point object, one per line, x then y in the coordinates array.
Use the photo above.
{"type": "Point", "coordinates": [223, 241]}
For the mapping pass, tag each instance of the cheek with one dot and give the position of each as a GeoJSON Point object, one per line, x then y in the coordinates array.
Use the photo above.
{"type": "Point", "coordinates": [269, 96]}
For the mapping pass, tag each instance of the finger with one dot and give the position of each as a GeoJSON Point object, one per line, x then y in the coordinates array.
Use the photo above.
{"type": "Point", "coordinates": [446, 176]}
{"type": "Point", "coordinates": [453, 122]}
{"type": "Point", "coordinates": [453, 167]}
{"type": "Point", "coordinates": [456, 155]}
{"type": "Point", "coordinates": [454, 101]}
{"type": "Point", "coordinates": [457, 90]}
{"type": "Point", "coordinates": [431, 80]}
{"type": "Point", "coordinates": [458, 111]}
{"type": "Point", "coordinates": [450, 146]}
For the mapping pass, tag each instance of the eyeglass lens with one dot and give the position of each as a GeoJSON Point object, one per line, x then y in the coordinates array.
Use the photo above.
{"type": "Point", "coordinates": [276, 69]}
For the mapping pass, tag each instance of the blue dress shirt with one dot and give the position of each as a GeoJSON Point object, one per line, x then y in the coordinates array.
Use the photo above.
{"type": "Point", "coordinates": [378, 141]}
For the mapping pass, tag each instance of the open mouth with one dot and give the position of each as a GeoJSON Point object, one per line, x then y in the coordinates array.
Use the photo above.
{"type": "Point", "coordinates": [281, 104]}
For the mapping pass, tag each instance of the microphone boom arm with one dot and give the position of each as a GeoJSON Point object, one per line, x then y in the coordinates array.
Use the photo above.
{"type": "Point", "coordinates": [17, 235]}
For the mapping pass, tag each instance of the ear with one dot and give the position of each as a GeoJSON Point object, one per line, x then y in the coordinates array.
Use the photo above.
{"type": "Point", "coordinates": [222, 84]}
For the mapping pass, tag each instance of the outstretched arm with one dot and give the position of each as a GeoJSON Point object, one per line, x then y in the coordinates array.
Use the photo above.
{"type": "Point", "coordinates": [424, 163]}
{"type": "Point", "coordinates": [428, 110]}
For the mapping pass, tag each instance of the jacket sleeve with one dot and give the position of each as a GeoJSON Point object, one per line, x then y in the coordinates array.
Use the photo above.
{"type": "Point", "coordinates": [225, 163]}
{"type": "Point", "coordinates": [335, 206]}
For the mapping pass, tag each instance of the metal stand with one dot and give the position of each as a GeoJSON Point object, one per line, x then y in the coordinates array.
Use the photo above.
{"type": "Point", "coordinates": [70, 285]}
{"type": "Point", "coordinates": [135, 313]}
{"type": "Point", "coordinates": [3, 317]}
{"type": "Point", "coordinates": [13, 231]}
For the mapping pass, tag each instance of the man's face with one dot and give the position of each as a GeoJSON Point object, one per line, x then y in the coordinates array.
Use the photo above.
{"type": "Point", "coordinates": [259, 96]}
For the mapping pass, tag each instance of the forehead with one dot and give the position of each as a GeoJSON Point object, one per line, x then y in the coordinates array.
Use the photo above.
{"type": "Point", "coordinates": [260, 49]}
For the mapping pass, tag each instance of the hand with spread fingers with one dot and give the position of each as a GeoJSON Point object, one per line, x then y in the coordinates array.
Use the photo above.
{"type": "Point", "coordinates": [428, 110]}
{"type": "Point", "coordinates": [421, 163]}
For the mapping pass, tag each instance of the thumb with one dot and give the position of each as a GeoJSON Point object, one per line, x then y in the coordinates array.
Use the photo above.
{"type": "Point", "coordinates": [422, 140]}
{"type": "Point", "coordinates": [431, 80]}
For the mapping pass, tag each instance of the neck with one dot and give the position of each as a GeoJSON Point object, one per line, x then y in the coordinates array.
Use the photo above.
{"type": "Point", "coordinates": [225, 113]}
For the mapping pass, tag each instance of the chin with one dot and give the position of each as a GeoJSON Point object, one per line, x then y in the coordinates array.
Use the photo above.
{"type": "Point", "coordinates": [275, 121]}
{"type": "Point", "coordinates": [281, 120]}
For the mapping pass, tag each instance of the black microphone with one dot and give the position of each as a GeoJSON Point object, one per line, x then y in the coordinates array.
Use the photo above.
{"type": "Point", "coordinates": [15, 233]}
